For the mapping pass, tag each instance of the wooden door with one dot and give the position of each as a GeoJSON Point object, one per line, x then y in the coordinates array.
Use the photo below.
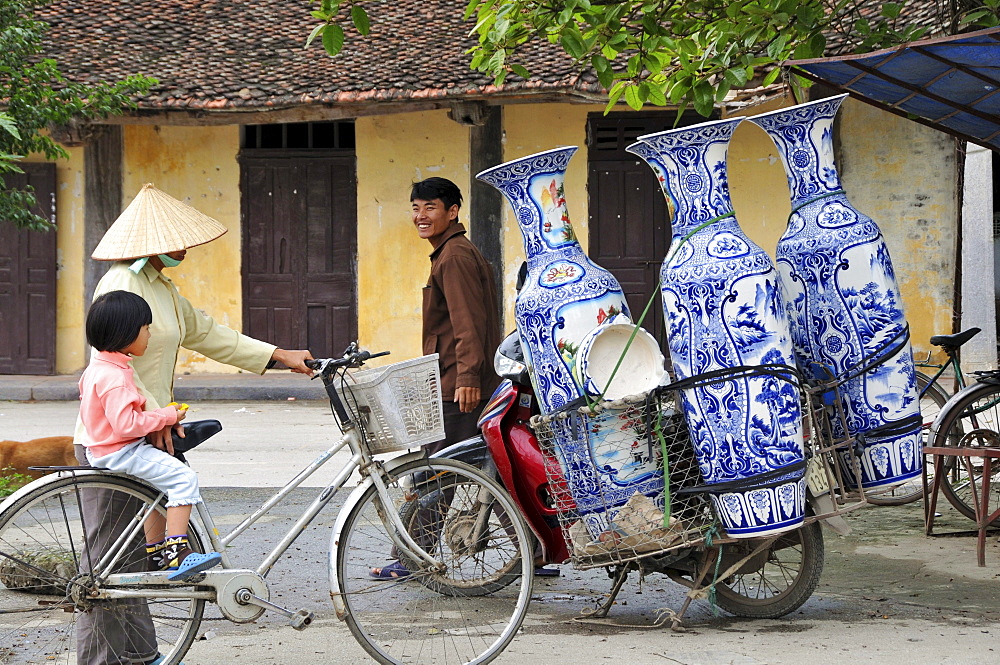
{"type": "Point", "coordinates": [28, 281]}
{"type": "Point", "coordinates": [629, 219]}
{"type": "Point", "coordinates": [300, 249]}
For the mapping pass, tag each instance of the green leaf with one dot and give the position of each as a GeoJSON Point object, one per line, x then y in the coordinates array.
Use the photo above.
{"type": "Point", "coordinates": [521, 71]}
{"type": "Point", "coordinates": [333, 39]}
{"type": "Point", "coordinates": [891, 9]}
{"type": "Point", "coordinates": [360, 18]}
{"type": "Point", "coordinates": [616, 92]}
{"type": "Point", "coordinates": [656, 95]}
{"type": "Point", "coordinates": [605, 75]}
{"type": "Point", "coordinates": [777, 46]}
{"type": "Point", "coordinates": [315, 31]}
{"type": "Point", "coordinates": [7, 124]}
{"type": "Point", "coordinates": [632, 97]}
{"type": "Point", "coordinates": [771, 77]}
{"type": "Point", "coordinates": [704, 98]}
{"type": "Point", "coordinates": [737, 76]}
{"type": "Point", "coordinates": [572, 42]}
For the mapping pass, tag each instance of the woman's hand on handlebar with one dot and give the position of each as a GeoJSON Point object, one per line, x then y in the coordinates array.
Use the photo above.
{"type": "Point", "coordinates": [294, 360]}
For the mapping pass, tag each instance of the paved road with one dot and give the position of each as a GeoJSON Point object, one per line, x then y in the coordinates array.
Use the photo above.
{"type": "Point", "coordinates": [888, 594]}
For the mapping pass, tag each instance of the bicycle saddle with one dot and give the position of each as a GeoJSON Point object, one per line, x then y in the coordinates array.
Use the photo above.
{"type": "Point", "coordinates": [194, 433]}
{"type": "Point", "coordinates": [956, 340]}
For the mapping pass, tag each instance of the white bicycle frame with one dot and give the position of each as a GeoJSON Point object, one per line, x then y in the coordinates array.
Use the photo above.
{"type": "Point", "coordinates": [360, 459]}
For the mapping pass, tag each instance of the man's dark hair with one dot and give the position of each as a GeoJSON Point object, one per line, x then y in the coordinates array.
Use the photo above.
{"type": "Point", "coordinates": [115, 319]}
{"type": "Point", "coordinates": [437, 188]}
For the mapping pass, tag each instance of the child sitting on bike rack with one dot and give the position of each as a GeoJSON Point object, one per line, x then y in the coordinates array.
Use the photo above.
{"type": "Point", "coordinates": [111, 409]}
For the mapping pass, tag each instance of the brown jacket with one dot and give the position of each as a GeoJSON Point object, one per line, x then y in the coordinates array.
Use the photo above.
{"type": "Point", "coordinates": [461, 319]}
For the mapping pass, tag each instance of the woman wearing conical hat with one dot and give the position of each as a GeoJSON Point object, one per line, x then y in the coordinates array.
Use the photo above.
{"type": "Point", "coordinates": [153, 233]}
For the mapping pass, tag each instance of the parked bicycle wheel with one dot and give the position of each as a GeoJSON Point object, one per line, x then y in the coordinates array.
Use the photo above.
{"type": "Point", "coordinates": [437, 613]}
{"type": "Point", "coordinates": [776, 581]}
{"type": "Point", "coordinates": [932, 400]}
{"type": "Point", "coordinates": [973, 420]}
{"type": "Point", "coordinates": [48, 612]}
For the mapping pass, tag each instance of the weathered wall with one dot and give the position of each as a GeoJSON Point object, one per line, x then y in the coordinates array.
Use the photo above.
{"type": "Point", "coordinates": [393, 262]}
{"type": "Point", "coordinates": [69, 261]}
{"type": "Point", "coordinates": [757, 181]}
{"type": "Point", "coordinates": [883, 160]}
{"type": "Point", "coordinates": [198, 166]}
{"type": "Point", "coordinates": [903, 175]}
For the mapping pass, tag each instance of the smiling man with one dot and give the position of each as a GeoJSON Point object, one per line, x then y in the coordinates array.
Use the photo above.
{"type": "Point", "coordinates": [460, 319]}
{"type": "Point", "coordinates": [461, 325]}
{"type": "Point", "coordinates": [460, 315]}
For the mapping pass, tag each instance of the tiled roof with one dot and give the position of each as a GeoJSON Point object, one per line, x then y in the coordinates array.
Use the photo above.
{"type": "Point", "coordinates": [240, 55]}
{"type": "Point", "coordinates": [249, 55]}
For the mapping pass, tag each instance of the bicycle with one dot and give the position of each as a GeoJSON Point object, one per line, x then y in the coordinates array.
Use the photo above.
{"type": "Point", "coordinates": [933, 397]}
{"type": "Point", "coordinates": [470, 557]}
{"type": "Point", "coordinates": [970, 419]}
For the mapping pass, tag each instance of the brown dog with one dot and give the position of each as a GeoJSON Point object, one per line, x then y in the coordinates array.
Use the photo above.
{"type": "Point", "coordinates": [47, 451]}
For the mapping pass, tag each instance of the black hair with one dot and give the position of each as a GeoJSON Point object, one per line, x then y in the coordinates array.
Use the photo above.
{"type": "Point", "coordinates": [437, 188]}
{"type": "Point", "coordinates": [115, 319]}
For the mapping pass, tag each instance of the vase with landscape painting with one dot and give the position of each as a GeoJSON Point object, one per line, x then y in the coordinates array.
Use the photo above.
{"type": "Point", "coordinates": [844, 305]}
{"type": "Point", "coordinates": [725, 320]}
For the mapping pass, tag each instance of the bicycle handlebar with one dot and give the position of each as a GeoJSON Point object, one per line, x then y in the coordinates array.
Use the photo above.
{"type": "Point", "coordinates": [353, 357]}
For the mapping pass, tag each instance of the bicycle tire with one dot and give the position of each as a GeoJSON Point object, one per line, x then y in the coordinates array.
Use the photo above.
{"type": "Point", "coordinates": [485, 581]}
{"type": "Point", "coordinates": [428, 616]}
{"type": "Point", "coordinates": [932, 401]}
{"type": "Point", "coordinates": [777, 581]}
{"type": "Point", "coordinates": [973, 420]}
{"type": "Point", "coordinates": [45, 562]}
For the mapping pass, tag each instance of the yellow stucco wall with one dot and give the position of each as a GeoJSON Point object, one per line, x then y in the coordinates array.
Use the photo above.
{"type": "Point", "coordinates": [393, 152]}
{"type": "Point", "coordinates": [198, 166]}
{"type": "Point", "coordinates": [757, 182]}
{"type": "Point", "coordinates": [69, 261]}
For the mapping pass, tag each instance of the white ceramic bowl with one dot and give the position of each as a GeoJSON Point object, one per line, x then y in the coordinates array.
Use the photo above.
{"type": "Point", "coordinates": [641, 368]}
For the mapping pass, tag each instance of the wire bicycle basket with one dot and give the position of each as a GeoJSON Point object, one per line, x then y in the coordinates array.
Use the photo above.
{"type": "Point", "coordinates": [399, 405]}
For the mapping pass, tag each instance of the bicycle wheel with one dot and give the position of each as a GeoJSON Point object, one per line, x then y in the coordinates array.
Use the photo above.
{"type": "Point", "coordinates": [440, 614]}
{"type": "Point", "coordinates": [776, 581]}
{"type": "Point", "coordinates": [972, 421]}
{"type": "Point", "coordinates": [484, 572]}
{"type": "Point", "coordinates": [932, 401]}
{"type": "Point", "coordinates": [46, 563]}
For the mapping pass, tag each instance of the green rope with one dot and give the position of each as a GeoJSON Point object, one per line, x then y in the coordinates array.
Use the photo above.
{"type": "Point", "coordinates": [818, 198]}
{"type": "Point", "coordinates": [666, 469]}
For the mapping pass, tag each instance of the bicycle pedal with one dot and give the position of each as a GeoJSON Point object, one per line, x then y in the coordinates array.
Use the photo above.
{"type": "Point", "coordinates": [301, 619]}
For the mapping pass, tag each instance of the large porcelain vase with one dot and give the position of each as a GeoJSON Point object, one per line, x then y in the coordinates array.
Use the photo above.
{"type": "Point", "coordinates": [844, 306]}
{"type": "Point", "coordinates": [565, 295]}
{"type": "Point", "coordinates": [723, 309]}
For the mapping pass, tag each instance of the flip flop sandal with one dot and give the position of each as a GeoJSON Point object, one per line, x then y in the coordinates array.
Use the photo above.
{"type": "Point", "coordinates": [542, 571]}
{"type": "Point", "coordinates": [193, 564]}
{"type": "Point", "coordinates": [394, 571]}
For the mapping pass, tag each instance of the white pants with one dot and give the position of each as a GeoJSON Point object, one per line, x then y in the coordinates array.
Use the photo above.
{"type": "Point", "coordinates": [164, 472]}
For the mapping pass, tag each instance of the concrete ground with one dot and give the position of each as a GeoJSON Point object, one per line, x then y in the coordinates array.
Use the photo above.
{"type": "Point", "coordinates": [888, 593]}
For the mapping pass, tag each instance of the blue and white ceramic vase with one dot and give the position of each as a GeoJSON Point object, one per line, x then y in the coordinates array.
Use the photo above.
{"type": "Point", "coordinates": [566, 295]}
{"type": "Point", "coordinates": [723, 309]}
{"type": "Point", "coordinates": [843, 303]}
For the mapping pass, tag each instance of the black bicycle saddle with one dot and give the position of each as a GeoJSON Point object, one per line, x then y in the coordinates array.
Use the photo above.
{"type": "Point", "coordinates": [195, 432]}
{"type": "Point", "coordinates": [956, 340]}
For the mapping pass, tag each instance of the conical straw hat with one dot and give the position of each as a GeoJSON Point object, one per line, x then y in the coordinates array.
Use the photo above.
{"type": "Point", "coordinates": [155, 223]}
